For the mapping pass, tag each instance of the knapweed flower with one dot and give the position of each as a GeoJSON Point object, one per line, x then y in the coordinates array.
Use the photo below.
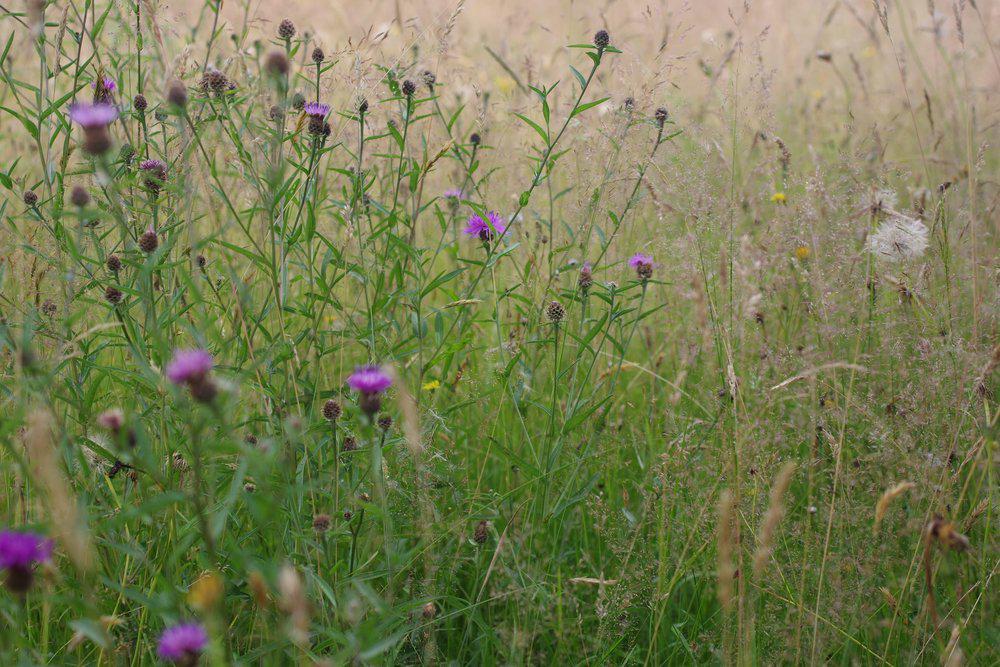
{"type": "Point", "coordinates": [154, 174]}
{"type": "Point", "coordinates": [104, 89]}
{"type": "Point", "coordinates": [94, 119]}
{"type": "Point", "coordinates": [214, 81]}
{"type": "Point", "coordinates": [898, 239]}
{"type": "Point", "coordinates": [452, 193]}
{"type": "Point", "coordinates": [189, 366]}
{"type": "Point", "coordinates": [643, 265]}
{"type": "Point", "coordinates": [182, 644]}
{"type": "Point", "coordinates": [19, 554]}
{"type": "Point", "coordinates": [487, 229]}
{"type": "Point", "coordinates": [316, 109]}
{"type": "Point", "coordinates": [370, 382]}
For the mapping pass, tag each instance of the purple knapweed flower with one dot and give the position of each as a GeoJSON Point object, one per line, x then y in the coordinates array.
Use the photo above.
{"type": "Point", "coordinates": [104, 89]}
{"type": "Point", "coordinates": [643, 265]}
{"type": "Point", "coordinates": [19, 554]}
{"type": "Point", "coordinates": [154, 174]}
{"type": "Point", "coordinates": [316, 109]}
{"type": "Point", "coordinates": [107, 82]}
{"type": "Point", "coordinates": [370, 382]}
{"type": "Point", "coordinates": [89, 116]}
{"type": "Point", "coordinates": [182, 644]}
{"type": "Point", "coordinates": [94, 119]}
{"type": "Point", "coordinates": [487, 229]}
{"type": "Point", "coordinates": [453, 193]}
{"type": "Point", "coordinates": [189, 366]}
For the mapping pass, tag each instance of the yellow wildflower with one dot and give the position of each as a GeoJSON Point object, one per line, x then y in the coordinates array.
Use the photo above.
{"type": "Point", "coordinates": [432, 385]}
{"type": "Point", "coordinates": [779, 198]}
{"type": "Point", "coordinates": [802, 253]}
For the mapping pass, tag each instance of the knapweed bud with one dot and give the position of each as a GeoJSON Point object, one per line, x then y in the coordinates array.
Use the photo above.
{"type": "Point", "coordinates": [429, 79]}
{"type": "Point", "coordinates": [555, 312]}
{"type": "Point", "coordinates": [49, 308]}
{"type": "Point", "coordinates": [78, 196]}
{"type": "Point", "coordinates": [298, 101]}
{"type": "Point", "coordinates": [586, 277]}
{"type": "Point", "coordinates": [139, 103]}
{"type": "Point", "coordinates": [177, 94]}
{"type": "Point", "coordinates": [661, 116]}
{"type": "Point", "coordinates": [482, 532]}
{"type": "Point", "coordinates": [385, 422]}
{"type": "Point", "coordinates": [286, 29]}
{"type": "Point", "coordinates": [332, 410]}
{"type": "Point", "coordinates": [409, 88]}
{"type": "Point", "coordinates": [475, 139]}
{"type": "Point", "coordinates": [114, 263]}
{"type": "Point", "coordinates": [602, 39]}
{"type": "Point", "coordinates": [363, 106]}
{"type": "Point", "coordinates": [113, 295]}
{"type": "Point", "coordinates": [321, 523]}
{"type": "Point", "coordinates": [149, 241]}
{"type": "Point", "coordinates": [429, 611]}
{"type": "Point", "coordinates": [275, 113]}
{"type": "Point", "coordinates": [276, 63]}
{"type": "Point", "coordinates": [318, 55]}
{"type": "Point", "coordinates": [201, 261]}
{"type": "Point", "coordinates": [349, 444]}
{"type": "Point", "coordinates": [214, 81]}
{"type": "Point", "coordinates": [30, 198]}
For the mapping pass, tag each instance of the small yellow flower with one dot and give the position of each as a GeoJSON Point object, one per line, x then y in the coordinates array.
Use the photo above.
{"type": "Point", "coordinates": [505, 84]}
{"type": "Point", "coordinates": [779, 198]}
{"type": "Point", "coordinates": [432, 385]}
{"type": "Point", "coordinates": [802, 253]}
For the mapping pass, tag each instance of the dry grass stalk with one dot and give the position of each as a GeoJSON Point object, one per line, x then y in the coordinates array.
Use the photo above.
{"type": "Point", "coordinates": [294, 603]}
{"type": "Point", "coordinates": [775, 512]}
{"type": "Point", "coordinates": [953, 656]}
{"type": "Point", "coordinates": [884, 501]}
{"type": "Point", "coordinates": [726, 542]}
{"type": "Point", "coordinates": [67, 524]}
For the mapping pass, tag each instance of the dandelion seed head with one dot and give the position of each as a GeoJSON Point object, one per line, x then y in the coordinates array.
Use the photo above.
{"type": "Point", "coordinates": [898, 239]}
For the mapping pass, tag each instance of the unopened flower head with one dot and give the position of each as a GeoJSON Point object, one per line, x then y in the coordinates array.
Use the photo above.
{"type": "Point", "coordinates": [487, 229]}
{"type": "Point", "coordinates": [20, 552]}
{"type": "Point", "coordinates": [182, 644]}
{"type": "Point", "coordinates": [899, 238]}
{"type": "Point", "coordinates": [189, 366]}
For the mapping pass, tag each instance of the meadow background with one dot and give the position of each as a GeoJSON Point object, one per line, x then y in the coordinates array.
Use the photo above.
{"type": "Point", "coordinates": [776, 449]}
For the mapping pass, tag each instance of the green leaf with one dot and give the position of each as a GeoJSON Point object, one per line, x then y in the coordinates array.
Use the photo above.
{"type": "Point", "coordinates": [589, 105]}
